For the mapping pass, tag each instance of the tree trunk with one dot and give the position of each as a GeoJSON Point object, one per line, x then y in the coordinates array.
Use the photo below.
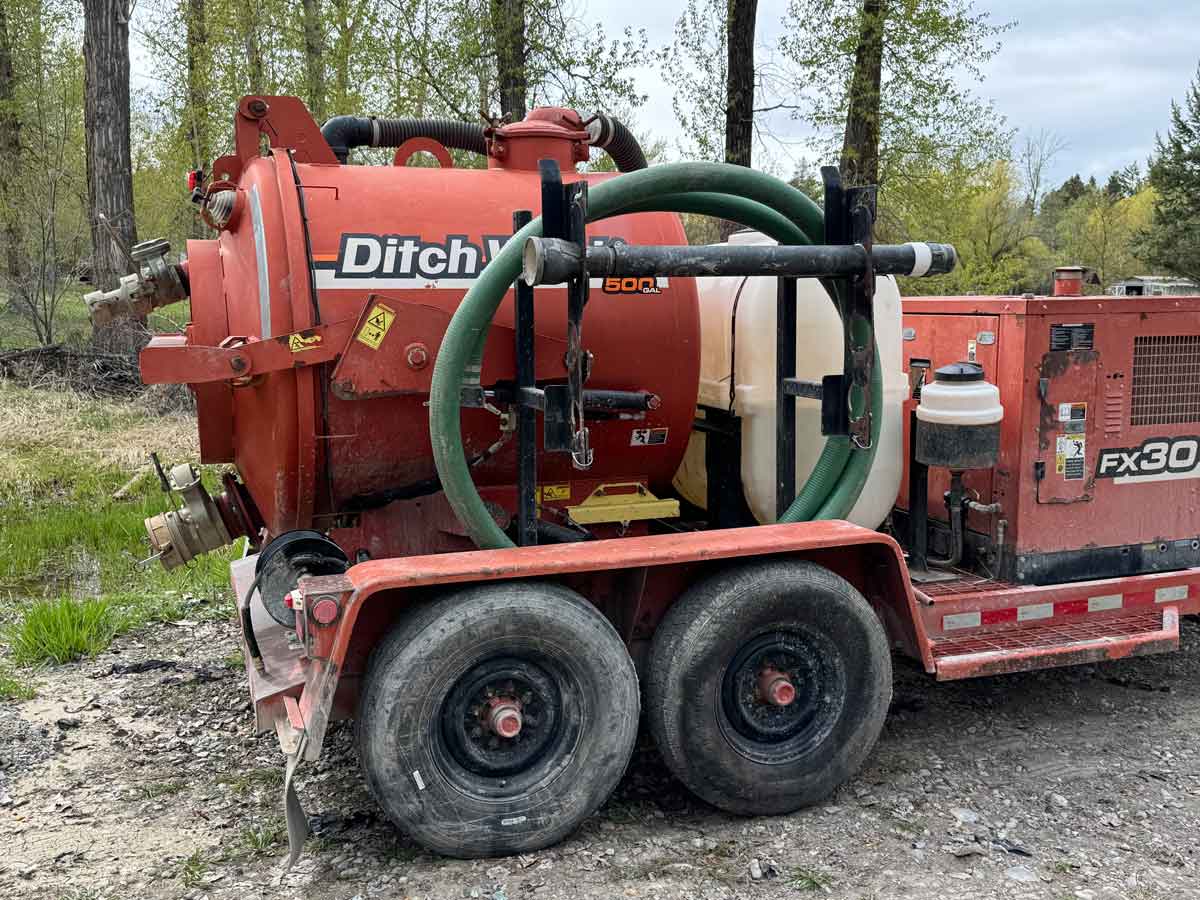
{"type": "Point", "coordinates": [197, 83]}
{"type": "Point", "coordinates": [10, 163]}
{"type": "Point", "coordinates": [314, 65]}
{"type": "Point", "coordinates": [341, 50]}
{"type": "Point", "coordinates": [860, 149]}
{"type": "Point", "coordinates": [739, 89]}
{"type": "Point", "coordinates": [252, 40]}
{"type": "Point", "coordinates": [109, 167]}
{"type": "Point", "coordinates": [508, 31]}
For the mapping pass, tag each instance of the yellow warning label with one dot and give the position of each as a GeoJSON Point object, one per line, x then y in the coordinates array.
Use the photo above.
{"type": "Point", "coordinates": [376, 327]}
{"type": "Point", "coordinates": [554, 492]}
{"type": "Point", "coordinates": [298, 342]}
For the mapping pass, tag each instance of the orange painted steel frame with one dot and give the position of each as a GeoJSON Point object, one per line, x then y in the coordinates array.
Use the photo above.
{"type": "Point", "coordinates": [633, 580]}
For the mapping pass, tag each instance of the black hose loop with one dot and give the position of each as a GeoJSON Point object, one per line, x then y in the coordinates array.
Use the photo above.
{"type": "Point", "coordinates": [611, 135]}
{"type": "Point", "coordinates": [344, 133]}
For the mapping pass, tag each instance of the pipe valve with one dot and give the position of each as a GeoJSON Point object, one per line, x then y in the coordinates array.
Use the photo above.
{"type": "Point", "coordinates": [156, 282]}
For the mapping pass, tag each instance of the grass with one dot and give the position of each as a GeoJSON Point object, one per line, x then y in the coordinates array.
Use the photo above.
{"type": "Point", "coordinates": [71, 572]}
{"type": "Point", "coordinates": [152, 790]}
{"type": "Point", "coordinates": [193, 869]}
{"type": "Point", "coordinates": [809, 880]}
{"type": "Point", "coordinates": [62, 630]}
{"type": "Point", "coordinates": [262, 838]}
{"type": "Point", "coordinates": [252, 779]}
{"type": "Point", "coordinates": [14, 687]}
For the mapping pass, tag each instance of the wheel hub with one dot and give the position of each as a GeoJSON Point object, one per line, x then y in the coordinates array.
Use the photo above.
{"type": "Point", "coordinates": [780, 691]}
{"type": "Point", "coordinates": [505, 717]}
{"type": "Point", "coordinates": [775, 687]}
{"type": "Point", "coordinates": [501, 717]}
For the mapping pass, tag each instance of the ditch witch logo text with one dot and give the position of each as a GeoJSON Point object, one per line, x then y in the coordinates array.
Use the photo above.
{"type": "Point", "coordinates": [374, 261]}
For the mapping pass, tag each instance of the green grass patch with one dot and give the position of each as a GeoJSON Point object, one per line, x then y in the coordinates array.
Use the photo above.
{"type": "Point", "coordinates": [75, 487]}
{"type": "Point", "coordinates": [810, 880]}
{"type": "Point", "coordinates": [14, 687]}
{"type": "Point", "coordinates": [251, 779]}
{"type": "Point", "coordinates": [152, 790]}
{"type": "Point", "coordinates": [62, 630]}
{"type": "Point", "coordinates": [193, 869]}
{"type": "Point", "coordinates": [262, 838]}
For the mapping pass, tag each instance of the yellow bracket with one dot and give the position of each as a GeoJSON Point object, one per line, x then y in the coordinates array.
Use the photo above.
{"type": "Point", "coordinates": [617, 503]}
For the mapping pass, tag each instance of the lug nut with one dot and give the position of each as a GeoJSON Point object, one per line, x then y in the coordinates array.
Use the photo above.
{"type": "Point", "coordinates": [775, 688]}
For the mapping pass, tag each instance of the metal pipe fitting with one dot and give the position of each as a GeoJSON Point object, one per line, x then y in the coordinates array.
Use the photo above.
{"type": "Point", "coordinates": [180, 535]}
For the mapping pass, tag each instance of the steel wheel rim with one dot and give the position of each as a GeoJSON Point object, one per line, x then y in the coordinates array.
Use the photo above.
{"type": "Point", "coordinates": [773, 734]}
{"type": "Point", "coordinates": [480, 761]}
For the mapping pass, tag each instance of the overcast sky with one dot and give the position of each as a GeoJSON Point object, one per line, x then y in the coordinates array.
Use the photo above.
{"type": "Point", "coordinates": [1101, 74]}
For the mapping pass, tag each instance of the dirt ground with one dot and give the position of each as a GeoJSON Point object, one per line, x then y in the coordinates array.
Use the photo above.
{"type": "Point", "coordinates": [137, 774]}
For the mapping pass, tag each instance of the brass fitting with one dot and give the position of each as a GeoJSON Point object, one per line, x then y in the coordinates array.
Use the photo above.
{"type": "Point", "coordinates": [180, 535]}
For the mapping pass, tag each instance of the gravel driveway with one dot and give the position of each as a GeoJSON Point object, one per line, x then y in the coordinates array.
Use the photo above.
{"type": "Point", "coordinates": [137, 774]}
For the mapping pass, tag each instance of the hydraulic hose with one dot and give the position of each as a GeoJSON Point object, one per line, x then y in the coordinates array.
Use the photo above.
{"type": "Point", "coordinates": [344, 133]}
{"type": "Point", "coordinates": [726, 191]}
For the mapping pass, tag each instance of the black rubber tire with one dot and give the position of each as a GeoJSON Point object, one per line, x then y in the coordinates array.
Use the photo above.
{"type": "Point", "coordinates": [406, 715]}
{"type": "Point", "coordinates": [699, 641]}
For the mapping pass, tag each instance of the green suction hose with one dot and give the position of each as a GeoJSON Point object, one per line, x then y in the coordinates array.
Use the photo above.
{"type": "Point", "coordinates": [731, 192]}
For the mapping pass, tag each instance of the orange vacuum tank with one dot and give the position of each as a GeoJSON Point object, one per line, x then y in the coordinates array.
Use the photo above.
{"type": "Point", "coordinates": [333, 284]}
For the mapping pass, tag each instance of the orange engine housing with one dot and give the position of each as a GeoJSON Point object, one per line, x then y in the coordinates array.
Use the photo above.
{"type": "Point", "coordinates": [314, 249]}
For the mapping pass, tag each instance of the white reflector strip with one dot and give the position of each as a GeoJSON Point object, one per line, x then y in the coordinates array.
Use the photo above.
{"type": "Point", "coordinates": [961, 620]}
{"type": "Point", "coordinates": [1035, 611]}
{"type": "Point", "coordinates": [1167, 594]}
{"type": "Point", "coordinates": [1108, 601]}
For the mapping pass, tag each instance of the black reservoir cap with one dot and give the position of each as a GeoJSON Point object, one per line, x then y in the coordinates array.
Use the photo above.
{"type": "Point", "coordinates": [960, 371]}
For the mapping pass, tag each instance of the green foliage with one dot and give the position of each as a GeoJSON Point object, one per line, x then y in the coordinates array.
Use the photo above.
{"type": "Point", "coordinates": [43, 201]}
{"type": "Point", "coordinates": [193, 869]}
{"type": "Point", "coordinates": [695, 65]}
{"type": "Point", "coordinates": [262, 838]}
{"type": "Point", "coordinates": [71, 525]}
{"type": "Point", "coordinates": [61, 631]}
{"type": "Point", "coordinates": [925, 112]}
{"type": "Point", "coordinates": [14, 687]}
{"type": "Point", "coordinates": [1171, 241]}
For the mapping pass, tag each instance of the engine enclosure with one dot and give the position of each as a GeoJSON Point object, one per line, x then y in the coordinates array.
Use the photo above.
{"type": "Point", "coordinates": [1099, 467]}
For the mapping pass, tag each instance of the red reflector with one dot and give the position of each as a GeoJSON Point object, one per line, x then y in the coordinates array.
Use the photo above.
{"type": "Point", "coordinates": [193, 179]}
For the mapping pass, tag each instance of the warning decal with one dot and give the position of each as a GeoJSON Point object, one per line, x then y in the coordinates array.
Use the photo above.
{"type": "Point", "coordinates": [376, 327]}
{"type": "Point", "coordinates": [1072, 412]}
{"type": "Point", "coordinates": [1069, 456]}
{"type": "Point", "coordinates": [648, 437]}
{"type": "Point", "coordinates": [554, 492]}
{"type": "Point", "coordinates": [298, 342]}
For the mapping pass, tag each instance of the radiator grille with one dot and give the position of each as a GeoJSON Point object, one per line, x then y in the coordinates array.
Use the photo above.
{"type": "Point", "coordinates": [1166, 380]}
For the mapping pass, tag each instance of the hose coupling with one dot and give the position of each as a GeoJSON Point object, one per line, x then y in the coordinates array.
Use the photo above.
{"type": "Point", "coordinates": [156, 282]}
{"type": "Point", "coordinates": [198, 526]}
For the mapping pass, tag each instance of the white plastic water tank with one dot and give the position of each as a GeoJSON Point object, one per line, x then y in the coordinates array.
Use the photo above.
{"type": "Point", "coordinates": [737, 340]}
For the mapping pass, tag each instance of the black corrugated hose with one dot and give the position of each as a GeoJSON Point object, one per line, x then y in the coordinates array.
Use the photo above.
{"type": "Point", "coordinates": [344, 133]}
{"type": "Point", "coordinates": [610, 135]}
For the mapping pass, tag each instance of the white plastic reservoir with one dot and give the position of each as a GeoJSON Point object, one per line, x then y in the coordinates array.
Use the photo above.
{"type": "Point", "coordinates": [737, 340]}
